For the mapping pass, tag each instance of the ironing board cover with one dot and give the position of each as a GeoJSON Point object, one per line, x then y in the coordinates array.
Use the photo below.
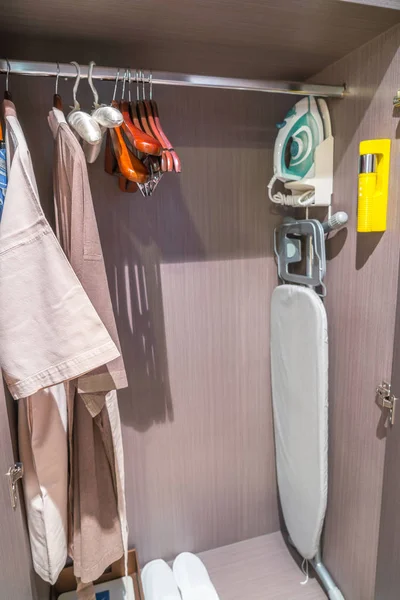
{"type": "Point", "coordinates": [299, 361]}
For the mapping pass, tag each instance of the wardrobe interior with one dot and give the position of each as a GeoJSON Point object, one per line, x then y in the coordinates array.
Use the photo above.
{"type": "Point", "coordinates": [191, 271]}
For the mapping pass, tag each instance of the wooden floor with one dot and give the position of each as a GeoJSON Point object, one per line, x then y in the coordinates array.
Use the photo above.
{"type": "Point", "coordinates": [259, 569]}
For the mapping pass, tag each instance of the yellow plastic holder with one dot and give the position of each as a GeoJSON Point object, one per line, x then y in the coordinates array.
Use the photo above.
{"type": "Point", "coordinates": [373, 185]}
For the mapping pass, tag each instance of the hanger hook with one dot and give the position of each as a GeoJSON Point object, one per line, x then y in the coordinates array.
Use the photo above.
{"type": "Point", "coordinates": [143, 83]}
{"type": "Point", "coordinates": [124, 79]}
{"type": "Point", "coordinates": [151, 84]}
{"type": "Point", "coordinates": [76, 84]}
{"type": "Point", "coordinates": [129, 85]}
{"type": "Point", "coordinates": [116, 84]}
{"type": "Point", "coordinates": [137, 85]}
{"type": "Point", "coordinates": [8, 73]}
{"type": "Point", "coordinates": [57, 77]}
{"type": "Point", "coordinates": [90, 80]}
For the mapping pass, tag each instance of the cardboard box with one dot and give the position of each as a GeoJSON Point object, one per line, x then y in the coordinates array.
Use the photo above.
{"type": "Point", "coordinates": [67, 582]}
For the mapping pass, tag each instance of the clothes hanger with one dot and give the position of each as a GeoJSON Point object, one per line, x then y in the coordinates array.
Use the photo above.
{"type": "Point", "coordinates": [166, 143]}
{"type": "Point", "coordinates": [141, 111]}
{"type": "Point", "coordinates": [132, 106]}
{"type": "Point", "coordinates": [152, 162]}
{"type": "Point", "coordinates": [128, 164]}
{"type": "Point", "coordinates": [106, 116]}
{"type": "Point", "coordinates": [83, 123]}
{"type": "Point", "coordinates": [111, 167]}
{"type": "Point", "coordinates": [110, 162]}
{"type": "Point", "coordinates": [136, 120]}
{"type": "Point", "coordinates": [139, 140]}
{"type": "Point", "coordinates": [147, 121]}
{"type": "Point", "coordinates": [7, 93]}
{"type": "Point", "coordinates": [57, 101]}
{"type": "Point", "coordinates": [153, 127]}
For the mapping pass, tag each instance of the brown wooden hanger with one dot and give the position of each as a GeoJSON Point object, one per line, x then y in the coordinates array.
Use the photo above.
{"type": "Point", "coordinates": [137, 123]}
{"type": "Point", "coordinates": [151, 107]}
{"type": "Point", "coordinates": [147, 122]}
{"type": "Point", "coordinates": [132, 106]}
{"type": "Point", "coordinates": [111, 167]}
{"type": "Point", "coordinates": [141, 141]}
{"type": "Point", "coordinates": [119, 158]}
{"type": "Point", "coordinates": [175, 157]}
{"type": "Point", "coordinates": [129, 165]}
{"type": "Point", "coordinates": [57, 101]}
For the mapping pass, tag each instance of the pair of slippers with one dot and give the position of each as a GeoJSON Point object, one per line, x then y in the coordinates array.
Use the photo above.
{"type": "Point", "coordinates": [187, 580]}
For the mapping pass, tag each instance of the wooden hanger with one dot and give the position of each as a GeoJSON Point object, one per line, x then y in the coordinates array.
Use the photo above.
{"type": "Point", "coordinates": [129, 166]}
{"type": "Point", "coordinates": [136, 121]}
{"type": "Point", "coordinates": [141, 141]}
{"type": "Point", "coordinates": [111, 167]}
{"type": "Point", "coordinates": [57, 101]}
{"type": "Point", "coordinates": [147, 122]}
{"type": "Point", "coordinates": [132, 106]}
{"type": "Point", "coordinates": [151, 106]}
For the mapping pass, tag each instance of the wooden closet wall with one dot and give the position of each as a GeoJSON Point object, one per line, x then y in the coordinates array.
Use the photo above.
{"type": "Point", "coordinates": [362, 279]}
{"type": "Point", "coordinates": [191, 272]}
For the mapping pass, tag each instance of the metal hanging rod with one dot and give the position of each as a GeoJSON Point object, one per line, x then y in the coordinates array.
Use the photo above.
{"type": "Point", "coordinates": [44, 69]}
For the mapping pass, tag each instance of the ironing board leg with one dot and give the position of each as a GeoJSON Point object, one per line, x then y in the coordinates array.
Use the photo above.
{"type": "Point", "coordinates": [332, 590]}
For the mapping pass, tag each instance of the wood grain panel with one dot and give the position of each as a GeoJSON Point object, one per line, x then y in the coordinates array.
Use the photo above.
{"type": "Point", "coordinates": [191, 273]}
{"type": "Point", "coordinates": [17, 579]}
{"type": "Point", "coordinates": [388, 573]}
{"type": "Point", "coordinates": [362, 287]}
{"type": "Point", "coordinates": [261, 38]}
{"type": "Point", "coordinates": [259, 569]}
{"type": "Point", "coordinates": [218, 467]}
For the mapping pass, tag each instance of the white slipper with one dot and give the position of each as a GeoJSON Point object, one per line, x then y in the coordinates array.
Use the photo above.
{"type": "Point", "coordinates": [192, 578]}
{"type": "Point", "coordinates": [158, 581]}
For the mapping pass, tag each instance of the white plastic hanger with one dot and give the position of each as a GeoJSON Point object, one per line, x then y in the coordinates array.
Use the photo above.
{"type": "Point", "coordinates": [106, 116]}
{"type": "Point", "coordinates": [83, 123]}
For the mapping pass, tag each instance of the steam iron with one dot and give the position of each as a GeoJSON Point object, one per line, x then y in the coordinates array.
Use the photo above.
{"type": "Point", "coordinates": [303, 155]}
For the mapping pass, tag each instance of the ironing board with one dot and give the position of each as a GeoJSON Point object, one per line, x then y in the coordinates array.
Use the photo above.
{"type": "Point", "coordinates": [299, 361]}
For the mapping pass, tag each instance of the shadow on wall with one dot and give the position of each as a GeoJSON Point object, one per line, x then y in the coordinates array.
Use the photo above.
{"type": "Point", "coordinates": [335, 242]}
{"type": "Point", "coordinates": [216, 209]}
{"type": "Point", "coordinates": [366, 244]}
{"type": "Point", "coordinates": [133, 250]}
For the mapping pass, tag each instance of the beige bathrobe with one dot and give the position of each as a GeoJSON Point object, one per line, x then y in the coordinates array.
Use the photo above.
{"type": "Point", "coordinates": [49, 333]}
{"type": "Point", "coordinates": [98, 533]}
{"type": "Point", "coordinates": [49, 330]}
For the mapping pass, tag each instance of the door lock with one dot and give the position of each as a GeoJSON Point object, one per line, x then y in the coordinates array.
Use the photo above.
{"type": "Point", "coordinates": [14, 473]}
{"type": "Point", "coordinates": [387, 400]}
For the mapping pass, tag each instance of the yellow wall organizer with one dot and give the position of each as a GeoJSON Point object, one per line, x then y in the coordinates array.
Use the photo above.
{"type": "Point", "coordinates": [373, 185]}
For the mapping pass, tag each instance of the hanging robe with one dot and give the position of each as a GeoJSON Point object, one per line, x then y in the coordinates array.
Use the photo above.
{"type": "Point", "coordinates": [98, 514]}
